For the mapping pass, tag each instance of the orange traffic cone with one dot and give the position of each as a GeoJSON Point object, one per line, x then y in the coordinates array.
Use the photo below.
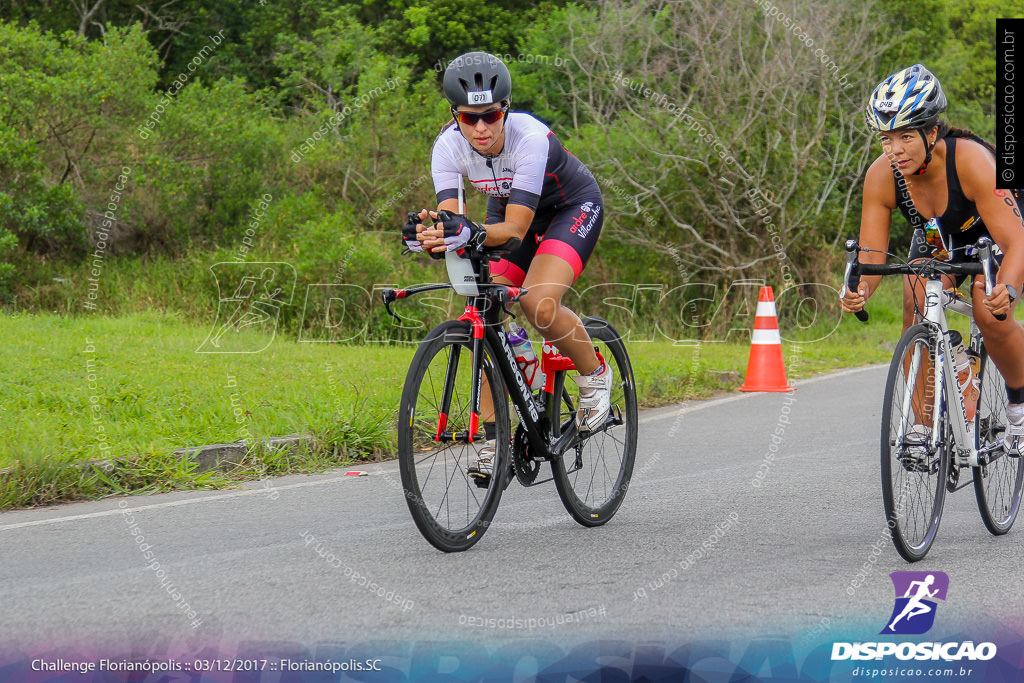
{"type": "Point", "coordinates": [765, 370]}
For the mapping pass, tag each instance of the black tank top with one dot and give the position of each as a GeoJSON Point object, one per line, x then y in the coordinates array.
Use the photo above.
{"type": "Point", "coordinates": [960, 224]}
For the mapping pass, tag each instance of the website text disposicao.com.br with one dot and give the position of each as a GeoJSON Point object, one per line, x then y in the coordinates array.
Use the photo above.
{"type": "Point", "coordinates": [471, 59]}
{"type": "Point", "coordinates": [950, 659]}
{"type": "Point", "coordinates": [901, 673]}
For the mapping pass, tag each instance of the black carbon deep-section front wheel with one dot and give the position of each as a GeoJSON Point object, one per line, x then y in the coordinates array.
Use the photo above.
{"type": "Point", "coordinates": [449, 508]}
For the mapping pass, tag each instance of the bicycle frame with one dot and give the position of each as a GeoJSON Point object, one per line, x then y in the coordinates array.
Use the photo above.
{"type": "Point", "coordinates": [937, 300]}
{"type": "Point", "coordinates": [535, 417]}
{"type": "Point", "coordinates": [482, 312]}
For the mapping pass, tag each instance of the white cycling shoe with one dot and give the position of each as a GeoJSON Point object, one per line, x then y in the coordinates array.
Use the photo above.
{"type": "Point", "coordinates": [595, 399]}
{"type": "Point", "coordinates": [1014, 439]}
{"type": "Point", "coordinates": [482, 471]}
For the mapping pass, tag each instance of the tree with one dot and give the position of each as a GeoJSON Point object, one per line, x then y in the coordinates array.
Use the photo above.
{"type": "Point", "coordinates": [64, 106]}
{"type": "Point", "coordinates": [728, 138]}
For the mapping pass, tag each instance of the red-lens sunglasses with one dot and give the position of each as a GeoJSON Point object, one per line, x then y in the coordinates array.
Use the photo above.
{"type": "Point", "coordinates": [470, 118]}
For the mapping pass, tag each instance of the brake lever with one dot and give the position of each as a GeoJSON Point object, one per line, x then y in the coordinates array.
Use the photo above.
{"type": "Point", "coordinates": [985, 247]}
{"type": "Point", "coordinates": [850, 279]}
{"type": "Point", "coordinates": [389, 296]}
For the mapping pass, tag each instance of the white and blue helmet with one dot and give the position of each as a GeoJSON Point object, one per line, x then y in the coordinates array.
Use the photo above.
{"type": "Point", "coordinates": [911, 98]}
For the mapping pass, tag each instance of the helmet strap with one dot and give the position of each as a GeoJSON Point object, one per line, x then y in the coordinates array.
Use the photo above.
{"type": "Point", "coordinates": [928, 149]}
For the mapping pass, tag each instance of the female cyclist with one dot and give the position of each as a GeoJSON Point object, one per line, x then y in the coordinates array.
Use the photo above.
{"type": "Point", "coordinates": [928, 169]}
{"type": "Point", "coordinates": [538, 193]}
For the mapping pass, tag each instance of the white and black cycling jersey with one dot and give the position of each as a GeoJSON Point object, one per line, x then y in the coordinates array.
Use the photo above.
{"type": "Point", "coordinates": [533, 168]}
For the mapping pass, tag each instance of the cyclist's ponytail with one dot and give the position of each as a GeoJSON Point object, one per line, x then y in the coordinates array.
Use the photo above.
{"type": "Point", "coordinates": [948, 131]}
{"type": "Point", "coordinates": [449, 124]}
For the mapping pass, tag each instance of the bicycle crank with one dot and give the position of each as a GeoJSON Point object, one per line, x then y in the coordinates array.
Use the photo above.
{"type": "Point", "coordinates": [952, 477]}
{"type": "Point", "coordinates": [525, 467]}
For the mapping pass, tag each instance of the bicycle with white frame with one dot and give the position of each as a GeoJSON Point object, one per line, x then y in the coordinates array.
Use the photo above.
{"type": "Point", "coordinates": [922, 390]}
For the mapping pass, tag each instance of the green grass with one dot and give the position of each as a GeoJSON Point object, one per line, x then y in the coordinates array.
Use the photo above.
{"type": "Point", "coordinates": [134, 387]}
{"type": "Point", "coordinates": [154, 392]}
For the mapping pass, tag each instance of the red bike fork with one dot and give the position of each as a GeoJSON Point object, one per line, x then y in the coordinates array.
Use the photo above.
{"type": "Point", "coordinates": [471, 315]}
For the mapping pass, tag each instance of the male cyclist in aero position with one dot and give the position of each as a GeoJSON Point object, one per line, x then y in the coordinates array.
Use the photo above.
{"type": "Point", "coordinates": [539, 193]}
{"type": "Point", "coordinates": [928, 169]}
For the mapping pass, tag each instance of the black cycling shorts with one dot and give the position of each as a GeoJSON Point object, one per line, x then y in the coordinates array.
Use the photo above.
{"type": "Point", "coordinates": [571, 235]}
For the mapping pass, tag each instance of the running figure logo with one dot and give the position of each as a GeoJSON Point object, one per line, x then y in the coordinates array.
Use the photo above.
{"type": "Point", "coordinates": [250, 297]}
{"type": "Point", "coordinates": [914, 612]}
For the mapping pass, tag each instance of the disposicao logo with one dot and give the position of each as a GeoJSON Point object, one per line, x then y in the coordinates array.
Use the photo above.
{"type": "Point", "coordinates": [913, 614]}
{"type": "Point", "coordinates": [916, 594]}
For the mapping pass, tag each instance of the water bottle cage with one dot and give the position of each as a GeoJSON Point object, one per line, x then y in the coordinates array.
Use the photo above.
{"type": "Point", "coordinates": [528, 367]}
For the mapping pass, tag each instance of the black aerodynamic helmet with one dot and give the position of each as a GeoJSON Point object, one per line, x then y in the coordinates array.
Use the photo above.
{"type": "Point", "coordinates": [476, 78]}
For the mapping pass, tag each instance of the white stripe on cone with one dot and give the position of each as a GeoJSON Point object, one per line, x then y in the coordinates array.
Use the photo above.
{"type": "Point", "coordinates": [765, 309]}
{"type": "Point", "coordinates": [766, 337]}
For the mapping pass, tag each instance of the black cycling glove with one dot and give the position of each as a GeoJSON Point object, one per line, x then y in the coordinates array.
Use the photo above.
{"type": "Point", "coordinates": [409, 232]}
{"type": "Point", "coordinates": [460, 232]}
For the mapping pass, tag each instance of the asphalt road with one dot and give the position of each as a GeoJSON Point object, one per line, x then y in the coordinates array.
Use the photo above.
{"type": "Point", "coordinates": [701, 548]}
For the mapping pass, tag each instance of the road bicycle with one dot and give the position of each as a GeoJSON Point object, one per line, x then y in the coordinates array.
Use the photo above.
{"type": "Point", "coordinates": [920, 465]}
{"type": "Point", "coordinates": [440, 421]}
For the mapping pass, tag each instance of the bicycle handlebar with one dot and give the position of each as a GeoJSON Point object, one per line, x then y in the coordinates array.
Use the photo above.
{"type": "Point", "coordinates": [937, 268]}
{"type": "Point", "coordinates": [503, 294]}
{"type": "Point", "coordinates": [929, 268]}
